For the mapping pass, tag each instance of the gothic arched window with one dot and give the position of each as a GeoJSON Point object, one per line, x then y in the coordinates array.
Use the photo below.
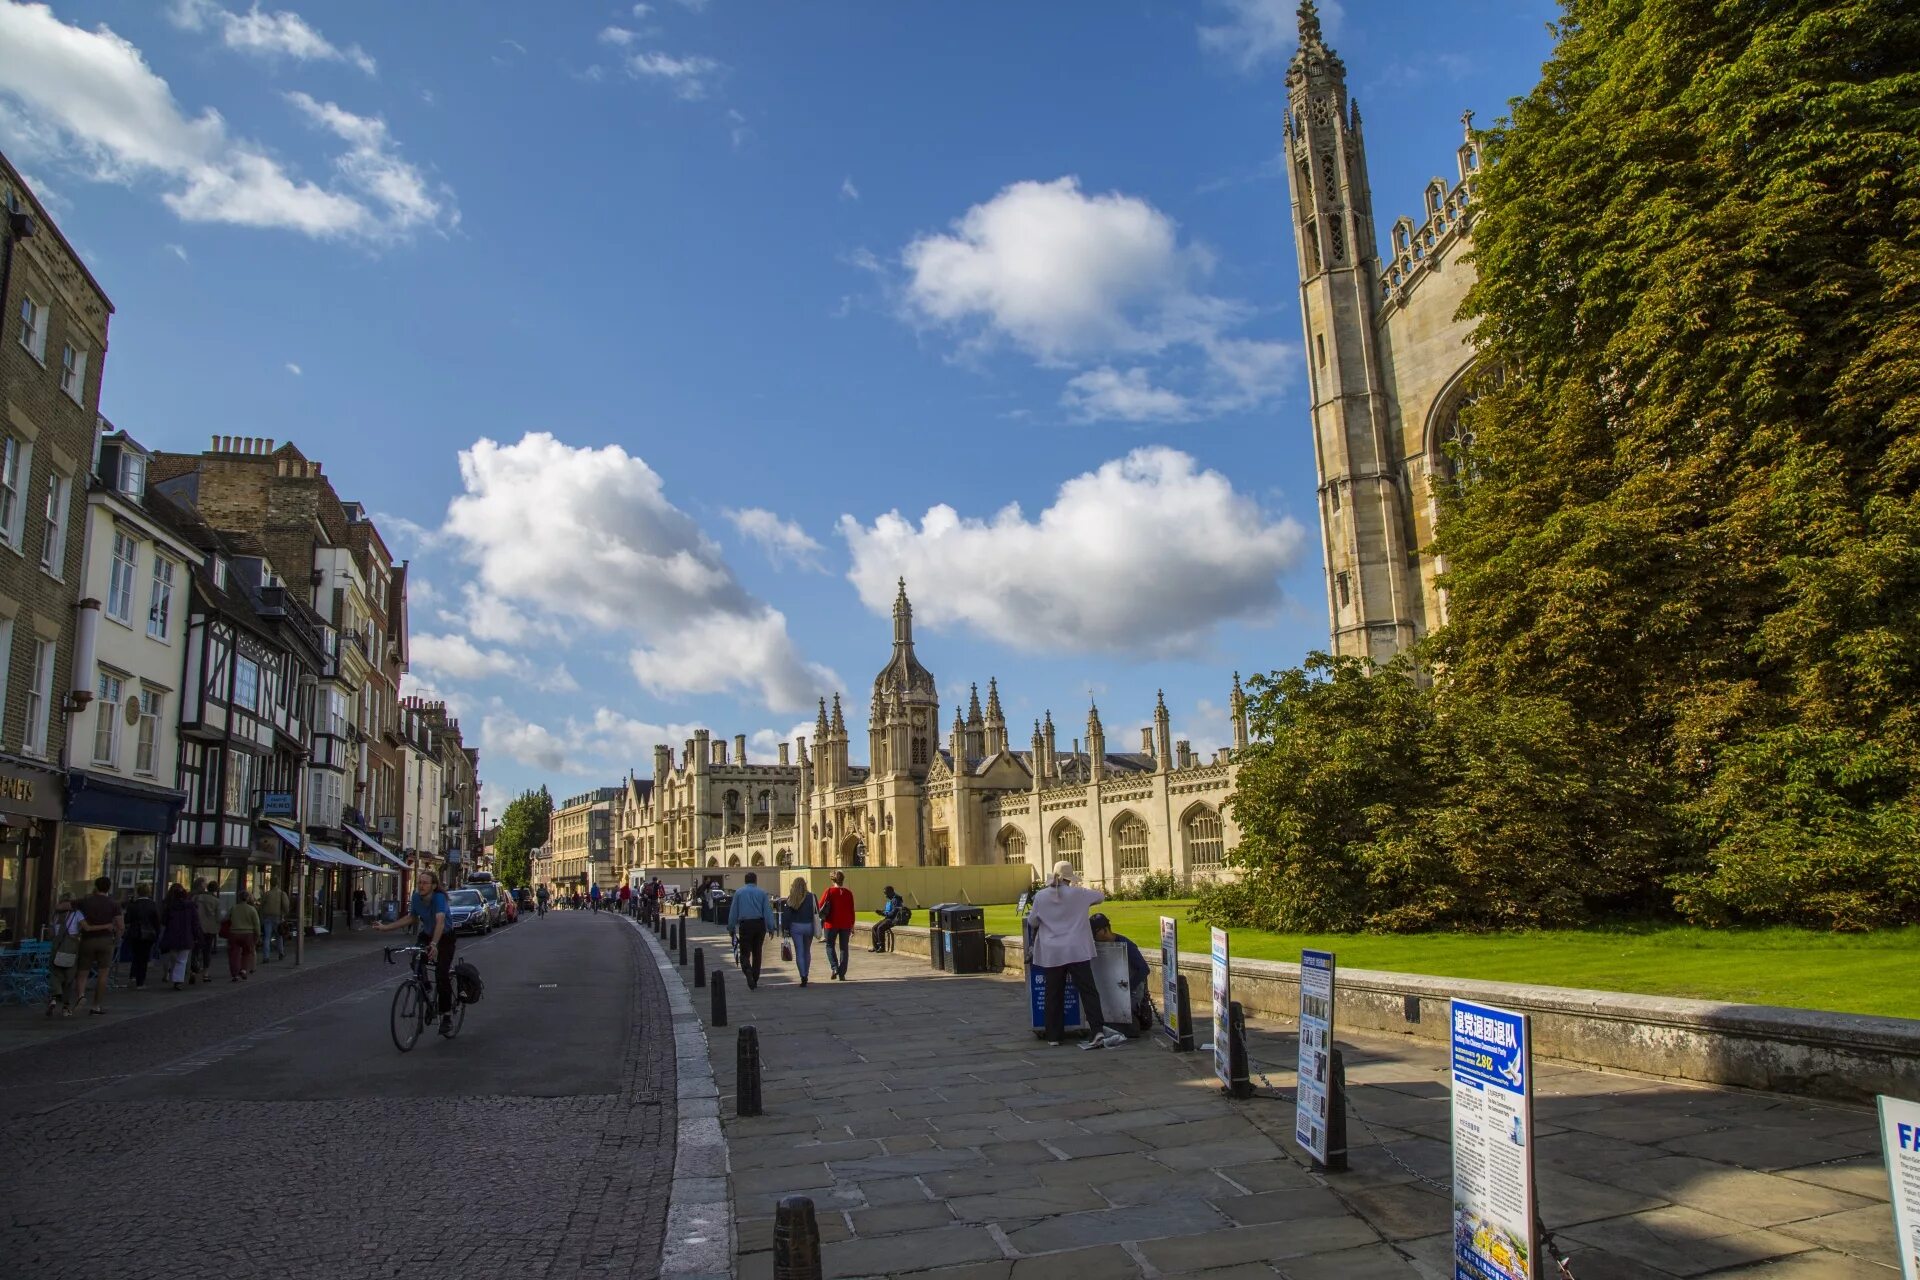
{"type": "Point", "coordinates": [1130, 846]}
{"type": "Point", "coordinates": [1013, 845]}
{"type": "Point", "coordinates": [1201, 832]}
{"type": "Point", "coordinates": [1068, 844]}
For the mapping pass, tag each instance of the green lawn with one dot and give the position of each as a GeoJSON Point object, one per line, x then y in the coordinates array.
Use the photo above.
{"type": "Point", "coordinates": [1851, 973]}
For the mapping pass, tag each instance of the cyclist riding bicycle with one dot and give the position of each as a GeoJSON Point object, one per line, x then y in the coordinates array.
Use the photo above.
{"type": "Point", "coordinates": [541, 894]}
{"type": "Point", "coordinates": [427, 912]}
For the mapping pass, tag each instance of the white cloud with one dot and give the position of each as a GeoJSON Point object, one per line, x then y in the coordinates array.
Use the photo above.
{"type": "Point", "coordinates": [294, 369]}
{"type": "Point", "coordinates": [764, 744]}
{"type": "Point", "coordinates": [496, 620]}
{"type": "Point", "coordinates": [1107, 393]}
{"type": "Point", "coordinates": [88, 97]}
{"type": "Point", "coordinates": [177, 250]}
{"type": "Point", "coordinates": [589, 535]}
{"type": "Point", "coordinates": [697, 6]}
{"type": "Point", "coordinates": [616, 737]}
{"type": "Point", "coordinates": [784, 541]}
{"type": "Point", "coordinates": [847, 190]}
{"type": "Point", "coordinates": [458, 657]}
{"type": "Point", "coordinates": [268, 35]}
{"type": "Point", "coordinates": [1144, 556]}
{"type": "Point", "coordinates": [620, 37]}
{"type": "Point", "coordinates": [530, 744]}
{"type": "Point", "coordinates": [690, 77]}
{"type": "Point", "coordinates": [1060, 273]}
{"type": "Point", "coordinates": [372, 165]}
{"type": "Point", "coordinates": [1254, 31]}
{"type": "Point", "coordinates": [1077, 279]}
{"type": "Point", "coordinates": [642, 10]}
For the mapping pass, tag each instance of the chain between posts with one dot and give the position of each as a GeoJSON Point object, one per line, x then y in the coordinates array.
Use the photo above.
{"type": "Point", "coordinates": [1275, 1093]}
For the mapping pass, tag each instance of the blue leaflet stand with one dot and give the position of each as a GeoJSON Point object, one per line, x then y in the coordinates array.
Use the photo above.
{"type": "Point", "coordinates": [1037, 994]}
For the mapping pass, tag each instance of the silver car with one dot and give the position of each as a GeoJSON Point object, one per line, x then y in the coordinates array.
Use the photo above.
{"type": "Point", "coordinates": [467, 912]}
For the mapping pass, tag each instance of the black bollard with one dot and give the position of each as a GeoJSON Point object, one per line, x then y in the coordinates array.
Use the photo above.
{"type": "Point", "coordinates": [1238, 1086]}
{"type": "Point", "coordinates": [699, 966]}
{"type": "Point", "coordinates": [1183, 1017]}
{"type": "Point", "coordinates": [746, 1073]}
{"type": "Point", "coordinates": [681, 929]}
{"type": "Point", "coordinates": [1336, 1114]}
{"type": "Point", "coordinates": [796, 1240]}
{"type": "Point", "coordinates": [719, 1001]}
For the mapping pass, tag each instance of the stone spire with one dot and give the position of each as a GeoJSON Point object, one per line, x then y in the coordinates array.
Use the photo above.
{"type": "Point", "coordinates": [1313, 53]}
{"type": "Point", "coordinates": [1096, 743]}
{"type": "Point", "coordinates": [839, 725]}
{"type": "Point", "coordinates": [820, 724]}
{"type": "Point", "coordinates": [995, 739]}
{"type": "Point", "coordinates": [993, 702]}
{"type": "Point", "coordinates": [1162, 733]}
{"type": "Point", "coordinates": [1238, 702]}
{"type": "Point", "coordinates": [902, 618]}
{"type": "Point", "coordinates": [973, 706]}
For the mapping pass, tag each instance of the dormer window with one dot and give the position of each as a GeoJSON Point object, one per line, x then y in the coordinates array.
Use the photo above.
{"type": "Point", "coordinates": [133, 474]}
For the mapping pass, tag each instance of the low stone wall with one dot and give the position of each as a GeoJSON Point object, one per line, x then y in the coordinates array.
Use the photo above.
{"type": "Point", "coordinates": [1843, 1056]}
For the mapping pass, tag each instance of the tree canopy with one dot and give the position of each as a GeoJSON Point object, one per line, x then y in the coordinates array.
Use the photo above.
{"type": "Point", "coordinates": [523, 828]}
{"type": "Point", "coordinates": [1683, 569]}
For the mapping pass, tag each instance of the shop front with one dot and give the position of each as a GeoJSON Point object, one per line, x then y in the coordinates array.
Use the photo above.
{"type": "Point", "coordinates": [117, 828]}
{"type": "Point", "coordinates": [32, 806]}
{"type": "Point", "coordinates": [332, 876]}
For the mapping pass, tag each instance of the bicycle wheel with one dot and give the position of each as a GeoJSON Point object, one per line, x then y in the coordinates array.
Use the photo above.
{"type": "Point", "coordinates": [459, 1016]}
{"type": "Point", "coordinates": [407, 1013]}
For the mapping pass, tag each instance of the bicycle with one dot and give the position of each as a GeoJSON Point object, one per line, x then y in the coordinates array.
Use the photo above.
{"type": "Point", "coordinates": [416, 1003]}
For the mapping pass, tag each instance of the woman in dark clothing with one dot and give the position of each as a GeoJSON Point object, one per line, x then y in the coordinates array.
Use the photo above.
{"type": "Point", "coordinates": [143, 926]}
{"type": "Point", "coordinates": [179, 932]}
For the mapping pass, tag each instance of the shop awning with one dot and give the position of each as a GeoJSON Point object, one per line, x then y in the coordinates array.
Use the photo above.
{"type": "Point", "coordinates": [326, 853]}
{"type": "Point", "coordinates": [399, 864]}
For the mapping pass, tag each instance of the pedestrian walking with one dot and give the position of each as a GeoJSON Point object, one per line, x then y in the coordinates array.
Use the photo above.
{"type": "Point", "coordinates": [66, 955]}
{"type": "Point", "coordinates": [749, 918]}
{"type": "Point", "coordinates": [801, 921]}
{"type": "Point", "coordinates": [360, 904]}
{"type": "Point", "coordinates": [179, 933]}
{"type": "Point", "coordinates": [208, 905]}
{"type": "Point", "coordinates": [243, 930]}
{"type": "Point", "coordinates": [143, 930]}
{"type": "Point", "coordinates": [1063, 948]}
{"type": "Point", "coordinates": [593, 896]}
{"type": "Point", "coordinates": [836, 918]}
{"type": "Point", "coordinates": [100, 928]}
{"type": "Point", "coordinates": [274, 907]}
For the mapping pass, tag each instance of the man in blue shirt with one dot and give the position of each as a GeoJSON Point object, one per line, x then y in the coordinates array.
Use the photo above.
{"type": "Point", "coordinates": [427, 911]}
{"type": "Point", "coordinates": [750, 916]}
{"type": "Point", "coordinates": [593, 896]}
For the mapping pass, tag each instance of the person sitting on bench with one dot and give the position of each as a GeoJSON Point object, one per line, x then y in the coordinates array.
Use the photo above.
{"type": "Point", "coordinates": [892, 911]}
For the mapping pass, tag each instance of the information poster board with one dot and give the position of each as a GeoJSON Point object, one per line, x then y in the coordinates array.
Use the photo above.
{"type": "Point", "coordinates": [1493, 1197]}
{"type": "Point", "coordinates": [1037, 994]}
{"type": "Point", "coordinates": [1222, 997]}
{"type": "Point", "coordinates": [1900, 1134]}
{"type": "Point", "coordinates": [1170, 978]}
{"type": "Point", "coordinates": [1316, 1045]}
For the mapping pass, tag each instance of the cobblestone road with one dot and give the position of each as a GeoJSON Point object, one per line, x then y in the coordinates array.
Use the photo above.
{"type": "Point", "coordinates": [279, 1133]}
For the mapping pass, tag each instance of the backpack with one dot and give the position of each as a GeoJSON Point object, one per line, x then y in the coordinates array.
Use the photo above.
{"type": "Point", "coordinates": [469, 982]}
{"type": "Point", "coordinates": [903, 915]}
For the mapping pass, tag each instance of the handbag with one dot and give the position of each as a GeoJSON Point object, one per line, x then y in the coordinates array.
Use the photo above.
{"type": "Point", "coordinates": [786, 949]}
{"type": "Point", "coordinates": [66, 952]}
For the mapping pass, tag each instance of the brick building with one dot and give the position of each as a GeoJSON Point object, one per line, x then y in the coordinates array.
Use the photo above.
{"type": "Point", "coordinates": [53, 343]}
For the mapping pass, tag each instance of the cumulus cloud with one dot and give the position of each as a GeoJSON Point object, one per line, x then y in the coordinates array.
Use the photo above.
{"type": "Point", "coordinates": [372, 164]}
{"type": "Point", "coordinates": [1074, 279]}
{"type": "Point", "coordinates": [267, 35]}
{"type": "Point", "coordinates": [588, 534]}
{"type": "Point", "coordinates": [89, 98]}
{"type": "Point", "coordinates": [1143, 556]}
{"type": "Point", "coordinates": [1107, 393]}
{"type": "Point", "coordinates": [690, 77]}
{"type": "Point", "coordinates": [498, 621]}
{"type": "Point", "coordinates": [784, 541]}
{"type": "Point", "coordinates": [531, 744]}
{"type": "Point", "coordinates": [456, 657]}
{"type": "Point", "coordinates": [619, 37]}
{"type": "Point", "coordinates": [294, 369]}
{"type": "Point", "coordinates": [1252, 32]}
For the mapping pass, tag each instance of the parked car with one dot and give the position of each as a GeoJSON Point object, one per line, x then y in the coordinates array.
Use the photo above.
{"type": "Point", "coordinates": [509, 908]}
{"type": "Point", "coordinates": [467, 912]}
{"type": "Point", "coordinates": [490, 893]}
{"type": "Point", "coordinates": [523, 899]}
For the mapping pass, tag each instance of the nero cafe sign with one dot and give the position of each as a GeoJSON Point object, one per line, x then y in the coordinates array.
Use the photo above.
{"type": "Point", "coordinates": [276, 804]}
{"type": "Point", "coordinates": [31, 793]}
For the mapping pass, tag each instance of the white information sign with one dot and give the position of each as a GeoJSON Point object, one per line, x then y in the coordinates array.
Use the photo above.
{"type": "Point", "coordinates": [1900, 1132]}
{"type": "Point", "coordinates": [1170, 977]}
{"type": "Point", "coordinates": [1493, 1202]}
{"type": "Point", "coordinates": [1222, 997]}
{"type": "Point", "coordinates": [1316, 1045]}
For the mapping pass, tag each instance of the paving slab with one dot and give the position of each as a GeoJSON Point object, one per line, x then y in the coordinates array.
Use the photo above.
{"type": "Point", "coordinates": [937, 1138]}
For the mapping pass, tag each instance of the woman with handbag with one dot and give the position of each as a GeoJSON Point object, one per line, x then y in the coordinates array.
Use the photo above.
{"type": "Point", "coordinates": [801, 923]}
{"type": "Point", "coordinates": [67, 923]}
{"type": "Point", "coordinates": [179, 933]}
{"type": "Point", "coordinates": [242, 930]}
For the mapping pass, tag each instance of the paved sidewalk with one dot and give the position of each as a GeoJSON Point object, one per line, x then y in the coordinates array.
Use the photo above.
{"type": "Point", "coordinates": [935, 1134]}
{"type": "Point", "coordinates": [22, 1025]}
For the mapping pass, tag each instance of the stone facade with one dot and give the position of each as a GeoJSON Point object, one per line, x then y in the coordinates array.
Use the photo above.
{"type": "Point", "coordinates": [581, 834]}
{"type": "Point", "coordinates": [1389, 362]}
{"type": "Point", "coordinates": [963, 799]}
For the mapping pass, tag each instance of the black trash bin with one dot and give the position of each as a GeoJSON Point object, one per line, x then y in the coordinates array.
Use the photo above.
{"type": "Point", "coordinates": [937, 934]}
{"type": "Point", "coordinates": [966, 938]}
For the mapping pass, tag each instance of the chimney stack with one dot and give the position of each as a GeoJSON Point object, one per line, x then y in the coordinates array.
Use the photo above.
{"type": "Point", "coordinates": [739, 748]}
{"type": "Point", "coordinates": [1146, 740]}
{"type": "Point", "coordinates": [783, 755]}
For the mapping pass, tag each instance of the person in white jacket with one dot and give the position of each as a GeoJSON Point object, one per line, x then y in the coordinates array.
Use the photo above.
{"type": "Point", "coordinates": [1063, 948]}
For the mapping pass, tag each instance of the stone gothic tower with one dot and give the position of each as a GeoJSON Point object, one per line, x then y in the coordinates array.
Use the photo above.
{"type": "Point", "coordinates": [1387, 360]}
{"type": "Point", "coordinates": [907, 703]}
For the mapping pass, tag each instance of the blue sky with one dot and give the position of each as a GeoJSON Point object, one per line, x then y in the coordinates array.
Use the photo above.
{"type": "Point", "coordinates": [663, 337]}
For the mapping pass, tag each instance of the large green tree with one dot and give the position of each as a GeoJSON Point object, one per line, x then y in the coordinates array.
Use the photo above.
{"type": "Point", "coordinates": [524, 827]}
{"type": "Point", "coordinates": [1692, 508]}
